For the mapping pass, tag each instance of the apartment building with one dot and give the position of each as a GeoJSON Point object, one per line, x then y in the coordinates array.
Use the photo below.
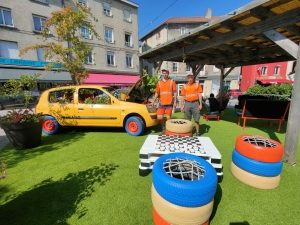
{"type": "Point", "coordinates": [208, 77]}
{"type": "Point", "coordinates": [112, 61]}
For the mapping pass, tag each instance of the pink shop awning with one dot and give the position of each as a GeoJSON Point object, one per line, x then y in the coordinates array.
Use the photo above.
{"type": "Point", "coordinates": [111, 79]}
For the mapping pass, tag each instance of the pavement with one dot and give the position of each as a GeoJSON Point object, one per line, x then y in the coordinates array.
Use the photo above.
{"type": "Point", "coordinates": [4, 140]}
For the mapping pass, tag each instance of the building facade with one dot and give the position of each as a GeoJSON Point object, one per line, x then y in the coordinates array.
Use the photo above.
{"type": "Point", "coordinates": [269, 73]}
{"type": "Point", "coordinates": [113, 60]}
{"type": "Point", "coordinates": [208, 77]}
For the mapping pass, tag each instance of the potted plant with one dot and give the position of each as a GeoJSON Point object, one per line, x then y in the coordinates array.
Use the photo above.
{"type": "Point", "coordinates": [22, 127]}
{"type": "Point", "coordinates": [225, 97]}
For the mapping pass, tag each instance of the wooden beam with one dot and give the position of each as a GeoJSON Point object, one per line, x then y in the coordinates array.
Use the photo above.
{"type": "Point", "coordinates": [284, 19]}
{"type": "Point", "coordinates": [293, 128]}
{"type": "Point", "coordinates": [228, 72]}
{"type": "Point", "coordinates": [293, 29]}
{"type": "Point", "coordinates": [285, 43]}
{"type": "Point", "coordinates": [157, 66]}
{"type": "Point", "coordinates": [221, 83]}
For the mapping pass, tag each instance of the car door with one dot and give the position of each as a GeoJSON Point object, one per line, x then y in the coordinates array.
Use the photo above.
{"type": "Point", "coordinates": [61, 106]}
{"type": "Point", "coordinates": [96, 107]}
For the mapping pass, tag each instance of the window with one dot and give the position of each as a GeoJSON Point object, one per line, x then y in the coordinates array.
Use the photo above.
{"type": "Point", "coordinates": [276, 70]}
{"type": "Point", "coordinates": [110, 59]}
{"type": "Point", "coordinates": [62, 96]}
{"type": "Point", "coordinates": [127, 16]}
{"type": "Point", "coordinates": [9, 49]}
{"type": "Point", "coordinates": [264, 70]}
{"type": "Point", "coordinates": [175, 67]}
{"type": "Point", "coordinates": [89, 58]}
{"type": "Point", "coordinates": [188, 68]}
{"type": "Point", "coordinates": [93, 96]}
{"type": "Point", "coordinates": [82, 2]}
{"type": "Point", "coordinates": [85, 32]}
{"type": "Point", "coordinates": [106, 9]}
{"type": "Point", "coordinates": [128, 40]}
{"type": "Point", "coordinates": [6, 17]}
{"type": "Point", "coordinates": [40, 54]}
{"type": "Point", "coordinates": [128, 61]}
{"type": "Point", "coordinates": [38, 23]}
{"type": "Point", "coordinates": [109, 35]}
{"type": "Point", "coordinates": [182, 30]}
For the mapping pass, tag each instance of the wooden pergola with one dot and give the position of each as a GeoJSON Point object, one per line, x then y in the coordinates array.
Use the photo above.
{"type": "Point", "coordinates": [263, 31]}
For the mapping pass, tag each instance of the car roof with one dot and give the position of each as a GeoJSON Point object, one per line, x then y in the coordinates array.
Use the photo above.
{"type": "Point", "coordinates": [76, 86]}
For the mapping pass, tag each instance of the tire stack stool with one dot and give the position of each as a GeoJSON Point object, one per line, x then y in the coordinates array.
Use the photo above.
{"type": "Point", "coordinates": [179, 127]}
{"type": "Point", "coordinates": [183, 189]}
{"type": "Point", "coordinates": [256, 161]}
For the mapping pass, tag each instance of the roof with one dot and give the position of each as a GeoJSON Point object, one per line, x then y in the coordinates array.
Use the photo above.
{"type": "Point", "coordinates": [130, 3]}
{"type": "Point", "coordinates": [191, 19]}
{"type": "Point", "coordinates": [262, 31]}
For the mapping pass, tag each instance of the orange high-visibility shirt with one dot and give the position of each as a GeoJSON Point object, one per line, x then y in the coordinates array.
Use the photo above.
{"type": "Point", "coordinates": [191, 92]}
{"type": "Point", "coordinates": [165, 90]}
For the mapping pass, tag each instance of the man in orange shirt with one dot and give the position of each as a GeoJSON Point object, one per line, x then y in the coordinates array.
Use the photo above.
{"type": "Point", "coordinates": [191, 101]}
{"type": "Point", "coordinates": [166, 89]}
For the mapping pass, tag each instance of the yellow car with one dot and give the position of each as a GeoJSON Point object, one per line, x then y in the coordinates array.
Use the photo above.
{"type": "Point", "coordinates": [98, 106]}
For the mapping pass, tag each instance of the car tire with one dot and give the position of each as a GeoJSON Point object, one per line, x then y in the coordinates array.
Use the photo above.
{"type": "Point", "coordinates": [259, 148]}
{"type": "Point", "coordinates": [178, 215]}
{"type": "Point", "coordinates": [1, 106]}
{"type": "Point", "coordinates": [189, 134]}
{"type": "Point", "coordinates": [134, 126]}
{"type": "Point", "coordinates": [158, 220]}
{"type": "Point", "coordinates": [254, 180]}
{"type": "Point", "coordinates": [256, 167]}
{"type": "Point", "coordinates": [179, 126]}
{"type": "Point", "coordinates": [50, 125]}
{"type": "Point", "coordinates": [186, 193]}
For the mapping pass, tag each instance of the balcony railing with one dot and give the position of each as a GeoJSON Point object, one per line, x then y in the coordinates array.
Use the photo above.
{"type": "Point", "coordinates": [128, 44]}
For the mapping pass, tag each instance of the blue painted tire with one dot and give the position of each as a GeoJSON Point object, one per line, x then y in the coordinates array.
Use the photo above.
{"type": "Point", "coordinates": [134, 126]}
{"type": "Point", "coordinates": [50, 125]}
{"type": "Point", "coordinates": [186, 193]}
{"type": "Point", "coordinates": [255, 167]}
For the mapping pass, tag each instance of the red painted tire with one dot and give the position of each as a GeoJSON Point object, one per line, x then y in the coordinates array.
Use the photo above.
{"type": "Point", "coordinates": [50, 125]}
{"type": "Point", "coordinates": [178, 134]}
{"type": "Point", "coordinates": [157, 219]}
{"type": "Point", "coordinates": [259, 148]}
{"type": "Point", "coordinates": [160, 221]}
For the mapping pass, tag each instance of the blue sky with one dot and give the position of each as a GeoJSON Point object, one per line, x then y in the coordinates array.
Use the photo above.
{"type": "Point", "coordinates": [149, 10]}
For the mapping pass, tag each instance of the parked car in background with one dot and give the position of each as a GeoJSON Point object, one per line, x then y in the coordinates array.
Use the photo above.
{"type": "Point", "coordinates": [236, 93]}
{"type": "Point", "coordinates": [97, 106]}
{"type": "Point", "coordinates": [17, 101]}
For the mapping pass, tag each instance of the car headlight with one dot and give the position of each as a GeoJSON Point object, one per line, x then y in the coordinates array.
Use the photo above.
{"type": "Point", "coordinates": [151, 109]}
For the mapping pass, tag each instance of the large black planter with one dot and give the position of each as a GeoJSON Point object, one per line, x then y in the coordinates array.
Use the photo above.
{"type": "Point", "coordinates": [24, 135]}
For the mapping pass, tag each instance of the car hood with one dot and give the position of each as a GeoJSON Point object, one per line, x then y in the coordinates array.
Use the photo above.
{"type": "Point", "coordinates": [135, 93]}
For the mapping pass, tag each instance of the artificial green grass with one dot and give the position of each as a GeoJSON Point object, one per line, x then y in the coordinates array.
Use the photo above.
{"type": "Point", "coordinates": [90, 176]}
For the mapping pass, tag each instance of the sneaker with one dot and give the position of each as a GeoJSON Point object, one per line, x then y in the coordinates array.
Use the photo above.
{"type": "Point", "coordinates": [163, 131]}
{"type": "Point", "coordinates": [197, 135]}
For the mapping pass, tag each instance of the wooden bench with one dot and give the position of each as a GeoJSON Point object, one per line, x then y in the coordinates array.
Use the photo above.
{"type": "Point", "coordinates": [264, 109]}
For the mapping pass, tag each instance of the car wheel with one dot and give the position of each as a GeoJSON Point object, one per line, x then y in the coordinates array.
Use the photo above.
{"type": "Point", "coordinates": [50, 125]}
{"type": "Point", "coordinates": [134, 126]}
{"type": "Point", "coordinates": [179, 126]}
{"type": "Point", "coordinates": [1, 106]}
{"type": "Point", "coordinates": [254, 180]}
{"type": "Point", "coordinates": [178, 215]}
{"type": "Point", "coordinates": [193, 188]}
{"type": "Point", "coordinates": [256, 167]}
{"type": "Point", "coordinates": [259, 148]}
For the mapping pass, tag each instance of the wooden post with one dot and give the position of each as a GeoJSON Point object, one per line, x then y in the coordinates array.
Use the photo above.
{"type": "Point", "coordinates": [157, 65]}
{"type": "Point", "coordinates": [292, 132]}
{"type": "Point", "coordinates": [221, 83]}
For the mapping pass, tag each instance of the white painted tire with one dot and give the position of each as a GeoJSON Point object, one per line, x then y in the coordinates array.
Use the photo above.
{"type": "Point", "coordinates": [254, 180]}
{"type": "Point", "coordinates": [178, 215]}
{"type": "Point", "coordinates": [179, 125]}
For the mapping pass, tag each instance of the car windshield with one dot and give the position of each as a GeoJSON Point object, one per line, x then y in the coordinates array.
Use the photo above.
{"type": "Point", "coordinates": [113, 92]}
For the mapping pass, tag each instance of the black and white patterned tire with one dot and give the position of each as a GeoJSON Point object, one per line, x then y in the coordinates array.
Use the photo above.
{"type": "Point", "coordinates": [254, 180]}
{"type": "Point", "coordinates": [178, 215]}
{"type": "Point", "coordinates": [179, 126]}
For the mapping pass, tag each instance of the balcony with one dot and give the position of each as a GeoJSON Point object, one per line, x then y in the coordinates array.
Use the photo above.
{"type": "Point", "coordinates": [128, 44]}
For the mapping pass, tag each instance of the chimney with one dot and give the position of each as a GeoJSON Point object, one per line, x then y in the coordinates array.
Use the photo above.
{"type": "Point", "coordinates": [208, 13]}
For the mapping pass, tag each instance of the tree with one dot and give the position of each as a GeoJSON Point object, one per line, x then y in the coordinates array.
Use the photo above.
{"type": "Point", "coordinates": [69, 52]}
